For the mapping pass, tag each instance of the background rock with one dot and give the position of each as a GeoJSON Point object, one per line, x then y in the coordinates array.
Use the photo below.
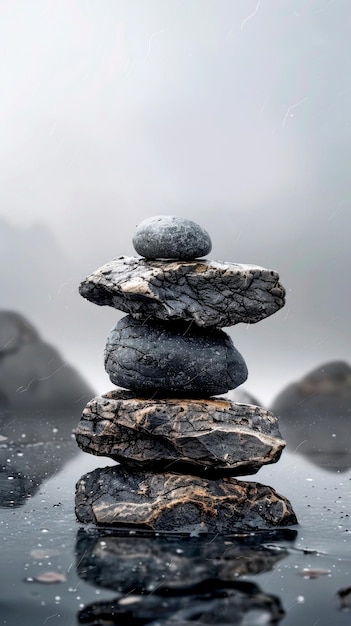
{"type": "Point", "coordinates": [33, 375]}
{"type": "Point", "coordinates": [172, 357]}
{"type": "Point", "coordinates": [315, 415]}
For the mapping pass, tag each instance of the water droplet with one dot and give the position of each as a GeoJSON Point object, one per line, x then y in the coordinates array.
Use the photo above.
{"type": "Point", "coordinates": [300, 599]}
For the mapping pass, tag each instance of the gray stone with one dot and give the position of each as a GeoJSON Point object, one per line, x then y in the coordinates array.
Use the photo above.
{"type": "Point", "coordinates": [114, 496]}
{"type": "Point", "coordinates": [212, 437]}
{"type": "Point", "coordinates": [171, 237]}
{"type": "Point", "coordinates": [172, 357]}
{"type": "Point", "coordinates": [206, 292]}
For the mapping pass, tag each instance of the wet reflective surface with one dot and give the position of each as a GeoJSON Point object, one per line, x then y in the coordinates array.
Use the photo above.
{"type": "Point", "coordinates": [54, 571]}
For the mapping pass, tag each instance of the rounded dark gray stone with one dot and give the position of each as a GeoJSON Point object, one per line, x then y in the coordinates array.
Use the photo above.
{"type": "Point", "coordinates": [172, 357]}
{"type": "Point", "coordinates": [171, 237]}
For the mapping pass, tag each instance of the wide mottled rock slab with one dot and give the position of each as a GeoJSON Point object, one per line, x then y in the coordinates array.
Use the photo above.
{"type": "Point", "coordinates": [113, 496]}
{"type": "Point", "coordinates": [207, 292]}
{"type": "Point", "coordinates": [213, 437]}
{"type": "Point", "coordinates": [172, 356]}
{"type": "Point", "coordinates": [171, 237]}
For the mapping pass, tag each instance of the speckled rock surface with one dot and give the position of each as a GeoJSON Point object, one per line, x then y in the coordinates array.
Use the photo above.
{"type": "Point", "coordinates": [205, 437]}
{"type": "Point", "coordinates": [171, 237]}
{"type": "Point", "coordinates": [173, 357]}
{"type": "Point", "coordinates": [206, 292]}
{"type": "Point", "coordinates": [113, 496]}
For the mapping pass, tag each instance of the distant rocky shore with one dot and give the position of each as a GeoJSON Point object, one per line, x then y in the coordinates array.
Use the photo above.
{"type": "Point", "coordinates": [33, 374]}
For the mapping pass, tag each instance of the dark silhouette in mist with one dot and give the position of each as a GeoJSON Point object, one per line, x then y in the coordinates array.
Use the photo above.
{"type": "Point", "coordinates": [315, 415]}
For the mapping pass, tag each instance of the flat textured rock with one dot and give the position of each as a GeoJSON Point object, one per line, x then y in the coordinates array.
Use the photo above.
{"type": "Point", "coordinates": [214, 437]}
{"type": "Point", "coordinates": [113, 496]}
{"type": "Point", "coordinates": [171, 237]}
{"type": "Point", "coordinates": [206, 292]}
{"type": "Point", "coordinates": [174, 357]}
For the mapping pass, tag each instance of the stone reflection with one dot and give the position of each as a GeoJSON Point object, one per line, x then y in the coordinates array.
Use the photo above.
{"type": "Point", "coordinates": [40, 396]}
{"type": "Point", "coordinates": [179, 579]}
{"type": "Point", "coordinates": [24, 466]}
{"type": "Point", "coordinates": [315, 416]}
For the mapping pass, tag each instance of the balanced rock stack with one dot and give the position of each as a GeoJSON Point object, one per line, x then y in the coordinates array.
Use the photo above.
{"type": "Point", "coordinates": [179, 447]}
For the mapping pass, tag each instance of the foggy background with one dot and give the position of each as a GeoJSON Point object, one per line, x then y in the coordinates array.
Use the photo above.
{"type": "Point", "coordinates": [232, 113]}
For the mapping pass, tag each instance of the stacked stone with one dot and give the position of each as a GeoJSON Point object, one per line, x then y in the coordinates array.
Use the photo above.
{"type": "Point", "coordinates": [179, 448]}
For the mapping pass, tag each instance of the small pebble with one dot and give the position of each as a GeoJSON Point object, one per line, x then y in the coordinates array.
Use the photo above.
{"type": "Point", "coordinates": [171, 237]}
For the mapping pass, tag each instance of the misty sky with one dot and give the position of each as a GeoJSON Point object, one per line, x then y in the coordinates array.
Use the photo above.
{"type": "Point", "coordinates": [233, 113]}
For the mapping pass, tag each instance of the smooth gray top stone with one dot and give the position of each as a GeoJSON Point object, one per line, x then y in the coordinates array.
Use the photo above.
{"type": "Point", "coordinates": [207, 292]}
{"type": "Point", "coordinates": [171, 237]}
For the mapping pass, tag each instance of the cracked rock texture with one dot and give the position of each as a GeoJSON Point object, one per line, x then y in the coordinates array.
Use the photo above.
{"type": "Point", "coordinates": [207, 292]}
{"type": "Point", "coordinates": [214, 437]}
{"type": "Point", "coordinates": [175, 357]}
{"type": "Point", "coordinates": [171, 237]}
{"type": "Point", "coordinates": [113, 496]}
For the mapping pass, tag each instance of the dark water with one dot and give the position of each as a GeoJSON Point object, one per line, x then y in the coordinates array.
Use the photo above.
{"type": "Point", "coordinates": [39, 534]}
